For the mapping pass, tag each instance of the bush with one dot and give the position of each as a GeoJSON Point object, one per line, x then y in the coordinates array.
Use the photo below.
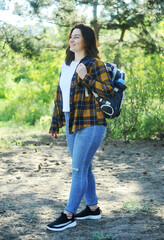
{"type": "Point", "coordinates": [29, 89]}
{"type": "Point", "coordinates": [142, 111]}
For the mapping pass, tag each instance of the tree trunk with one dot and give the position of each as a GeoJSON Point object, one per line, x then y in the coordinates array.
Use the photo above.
{"type": "Point", "coordinates": [95, 22]}
{"type": "Point", "coordinates": [122, 35]}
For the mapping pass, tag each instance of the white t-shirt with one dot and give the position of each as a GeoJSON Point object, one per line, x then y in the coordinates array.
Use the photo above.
{"type": "Point", "coordinates": [65, 83]}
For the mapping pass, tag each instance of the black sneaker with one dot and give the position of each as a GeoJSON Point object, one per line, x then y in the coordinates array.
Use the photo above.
{"type": "Point", "coordinates": [88, 214]}
{"type": "Point", "coordinates": [62, 223]}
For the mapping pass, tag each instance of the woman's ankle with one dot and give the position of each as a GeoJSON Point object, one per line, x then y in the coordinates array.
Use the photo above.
{"type": "Point", "coordinates": [93, 207]}
{"type": "Point", "coordinates": [69, 214]}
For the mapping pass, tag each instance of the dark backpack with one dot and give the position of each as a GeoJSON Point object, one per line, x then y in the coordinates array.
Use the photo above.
{"type": "Point", "coordinates": [112, 107]}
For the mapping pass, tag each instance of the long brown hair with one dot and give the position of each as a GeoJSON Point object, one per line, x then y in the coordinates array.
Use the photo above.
{"type": "Point", "coordinates": [90, 43]}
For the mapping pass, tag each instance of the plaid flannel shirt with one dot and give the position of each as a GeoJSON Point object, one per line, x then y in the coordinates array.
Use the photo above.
{"type": "Point", "coordinates": [84, 110]}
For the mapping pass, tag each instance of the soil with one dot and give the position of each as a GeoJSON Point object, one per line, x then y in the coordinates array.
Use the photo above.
{"type": "Point", "coordinates": [35, 178]}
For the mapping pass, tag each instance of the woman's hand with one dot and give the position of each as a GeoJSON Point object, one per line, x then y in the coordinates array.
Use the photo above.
{"type": "Point", "coordinates": [54, 135]}
{"type": "Point", "coordinates": [81, 70]}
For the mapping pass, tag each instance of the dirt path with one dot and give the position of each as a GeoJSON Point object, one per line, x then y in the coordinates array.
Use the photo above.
{"type": "Point", "coordinates": [35, 181]}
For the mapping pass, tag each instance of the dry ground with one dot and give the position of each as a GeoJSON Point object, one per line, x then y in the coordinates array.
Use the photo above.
{"type": "Point", "coordinates": [35, 178]}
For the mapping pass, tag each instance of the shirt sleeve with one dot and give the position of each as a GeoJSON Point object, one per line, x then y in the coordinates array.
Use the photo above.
{"type": "Point", "coordinates": [98, 80]}
{"type": "Point", "coordinates": [57, 116]}
{"type": "Point", "coordinates": [54, 123]}
{"type": "Point", "coordinates": [58, 119]}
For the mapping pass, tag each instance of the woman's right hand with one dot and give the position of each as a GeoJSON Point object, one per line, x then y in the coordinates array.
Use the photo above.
{"type": "Point", "coordinates": [54, 135]}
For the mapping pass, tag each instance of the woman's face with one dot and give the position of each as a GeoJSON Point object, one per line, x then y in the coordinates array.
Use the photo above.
{"type": "Point", "coordinates": [76, 41]}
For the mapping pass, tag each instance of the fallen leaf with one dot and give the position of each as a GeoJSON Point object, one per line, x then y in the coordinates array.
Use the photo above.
{"type": "Point", "coordinates": [138, 154]}
{"type": "Point", "coordinates": [40, 166]}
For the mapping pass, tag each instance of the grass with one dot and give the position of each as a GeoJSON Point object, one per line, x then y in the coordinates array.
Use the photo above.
{"type": "Point", "coordinates": [102, 236]}
{"type": "Point", "coordinates": [140, 207]}
{"type": "Point", "coordinates": [13, 134]}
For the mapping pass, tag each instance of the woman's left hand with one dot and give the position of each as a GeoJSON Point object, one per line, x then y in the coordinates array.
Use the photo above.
{"type": "Point", "coordinates": [81, 70]}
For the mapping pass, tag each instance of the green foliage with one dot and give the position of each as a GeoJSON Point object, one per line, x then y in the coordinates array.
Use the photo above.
{"type": "Point", "coordinates": [134, 206]}
{"type": "Point", "coordinates": [24, 40]}
{"type": "Point", "coordinates": [102, 236]}
{"type": "Point", "coordinates": [29, 88]}
{"type": "Point", "coordinates": [2, 92]}
{"type": "Point", "coordinates": [142, 111]}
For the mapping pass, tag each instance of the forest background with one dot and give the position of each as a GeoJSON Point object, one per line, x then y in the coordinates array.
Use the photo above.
{"type": "Point", "coordinates": [130, 34]}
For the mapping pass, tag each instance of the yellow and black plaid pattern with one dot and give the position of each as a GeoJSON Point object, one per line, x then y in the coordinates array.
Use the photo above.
{"type": "Point", "coordinates": [84, 110]}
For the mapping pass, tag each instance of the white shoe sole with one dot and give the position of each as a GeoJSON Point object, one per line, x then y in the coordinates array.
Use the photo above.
{"type": "Point", "coordinates": [96, 217]}
{"type": "Point", "coordinates": [73, 224]}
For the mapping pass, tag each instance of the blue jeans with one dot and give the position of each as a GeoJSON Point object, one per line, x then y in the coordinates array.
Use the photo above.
{"type": "Point", "coordinates": [83, 145]}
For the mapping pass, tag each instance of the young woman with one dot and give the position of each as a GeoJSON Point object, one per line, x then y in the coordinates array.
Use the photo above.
{"type": "Point", "coordinates": [85, 123]}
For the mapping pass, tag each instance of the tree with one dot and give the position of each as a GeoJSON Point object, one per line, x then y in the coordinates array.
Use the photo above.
{"type": "Point", "coordinates": [139, 18]}
{"type": "Point", "coordinates": [21, 41]}
{"type": "Point", "coordinates": [135, 17]}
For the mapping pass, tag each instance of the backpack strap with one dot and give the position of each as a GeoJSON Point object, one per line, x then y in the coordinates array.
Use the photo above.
{"type": "Point", "coordinates": [114, 71]}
